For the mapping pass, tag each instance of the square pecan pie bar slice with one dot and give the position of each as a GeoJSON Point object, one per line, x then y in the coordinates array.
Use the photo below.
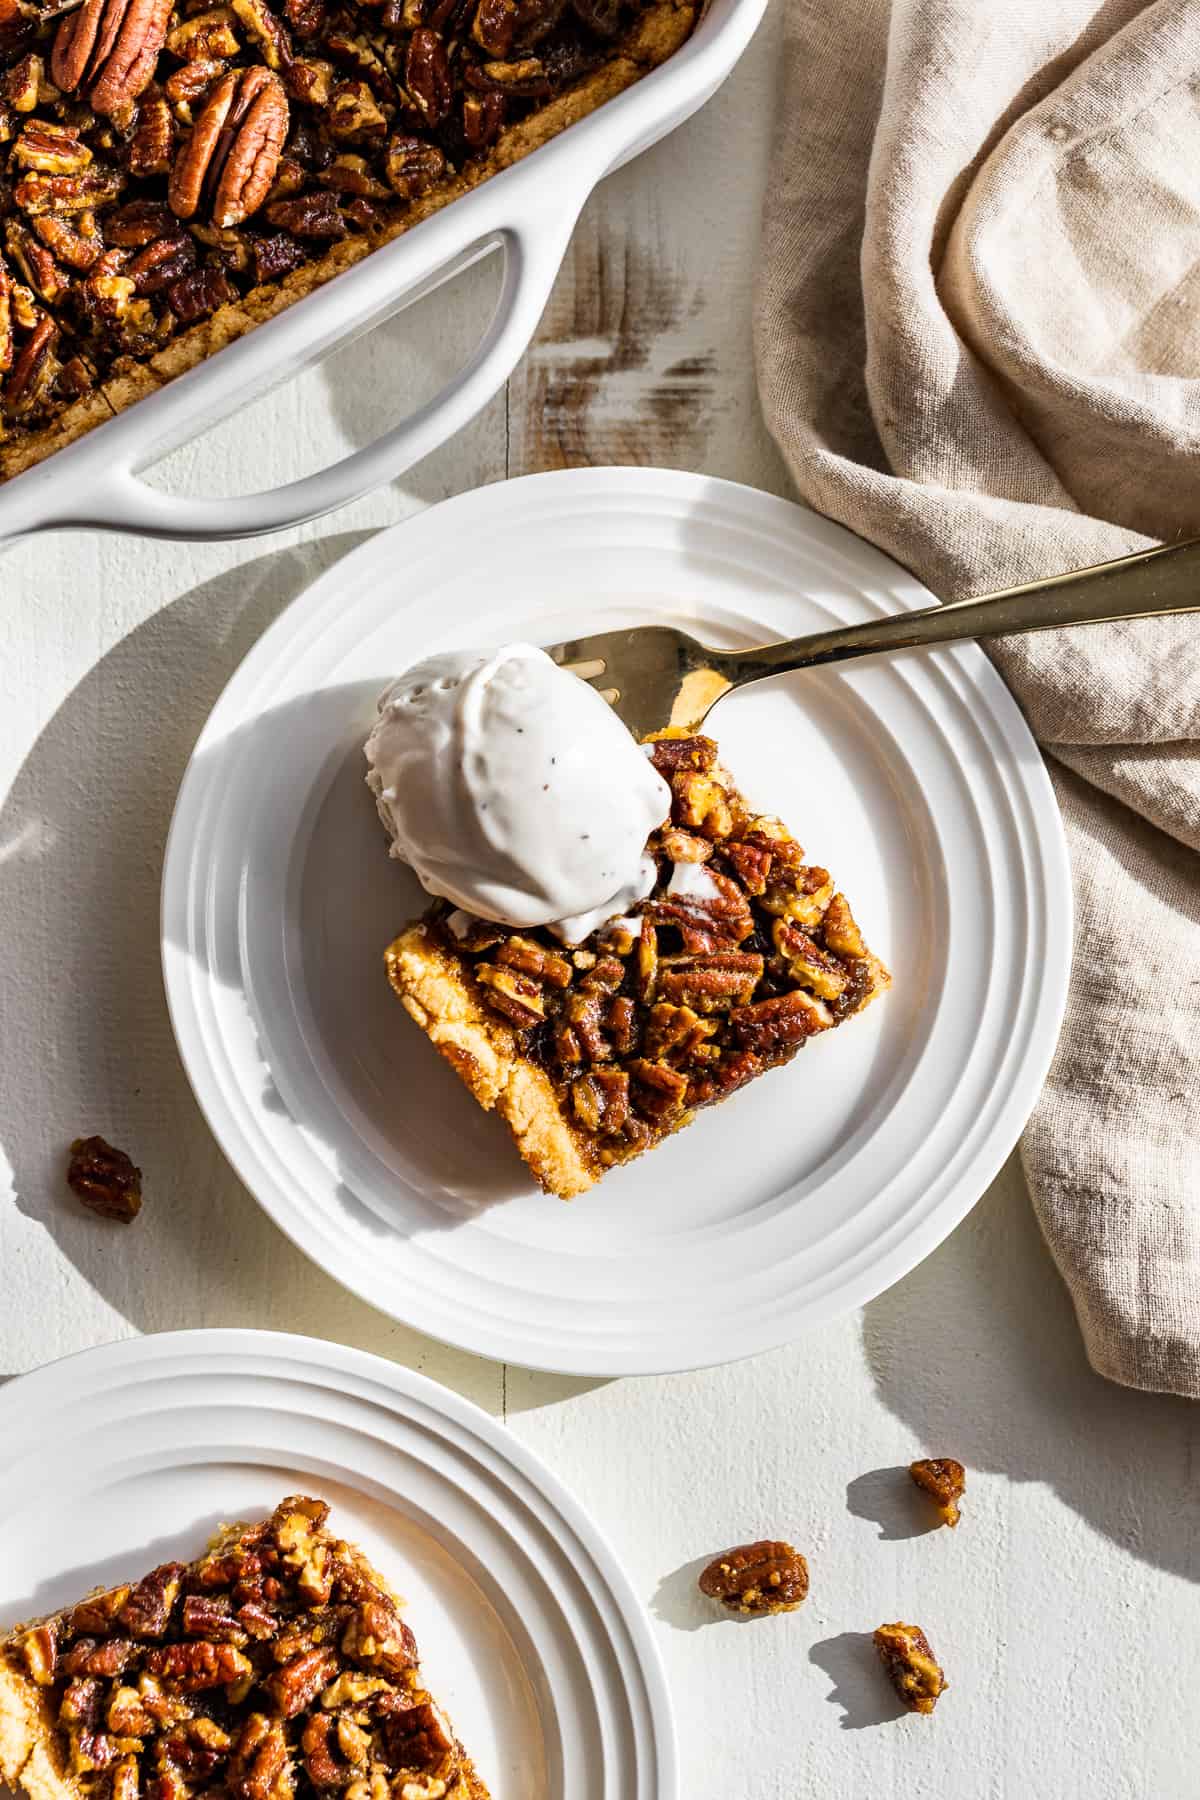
{"type": "Point", "coordinates": [277, 1667]}
{"type": "Point", "coordinates": [742, 952]}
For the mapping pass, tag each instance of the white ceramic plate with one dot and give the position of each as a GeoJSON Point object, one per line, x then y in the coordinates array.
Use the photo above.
{"type": "Point", "coordinates": [528, 1631]}
{"type": "Point", "coordinates": [914, 778]}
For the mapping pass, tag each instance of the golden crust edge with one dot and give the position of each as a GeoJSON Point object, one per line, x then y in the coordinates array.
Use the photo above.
{"type": "Point", "coordinates": [28, 1752]}
{"type": "Point", "coordinates": [653, 37]}
{"type": "Point", "coordinates": [484, 1055]}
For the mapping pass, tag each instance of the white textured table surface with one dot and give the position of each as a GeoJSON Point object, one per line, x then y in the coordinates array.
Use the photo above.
{"type": "Point", "coordinates": [1064, 1608]}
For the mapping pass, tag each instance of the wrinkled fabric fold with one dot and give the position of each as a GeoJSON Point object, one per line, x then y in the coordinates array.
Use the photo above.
{"type": "Point", "coordinates": [978, 342]}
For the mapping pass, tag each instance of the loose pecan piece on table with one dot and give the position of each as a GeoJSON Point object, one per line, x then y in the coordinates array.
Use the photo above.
{"type": "Point", "coordinates": [234, 148]}
{"type": "Point", "coordinates": [105, 1179]}
{"type": "Point", "coordinates": [766, 1577]}
{"type": "Point", "coordinates": [945, 1481]}
{"type": "Point", "coordinates": [911, 1666]}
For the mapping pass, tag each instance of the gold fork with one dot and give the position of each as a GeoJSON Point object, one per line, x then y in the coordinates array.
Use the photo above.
{"type": "Point", "coordinates": [655, 675]}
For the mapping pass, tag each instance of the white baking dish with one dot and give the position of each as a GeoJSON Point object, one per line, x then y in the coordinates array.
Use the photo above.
{"type": "Point", "coordinates": [529, 211]}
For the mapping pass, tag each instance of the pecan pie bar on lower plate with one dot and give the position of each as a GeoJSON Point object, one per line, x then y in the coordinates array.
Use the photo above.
{"type": "Point", "coordinates": [276, 1667]}
{"type": "Point", "coordinates": [742, 952]}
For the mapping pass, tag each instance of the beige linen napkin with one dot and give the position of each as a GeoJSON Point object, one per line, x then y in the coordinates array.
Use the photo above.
{"type": "Point", "coordinates": [978, 337]}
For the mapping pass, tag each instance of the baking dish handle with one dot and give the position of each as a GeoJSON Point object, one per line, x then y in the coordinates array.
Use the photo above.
{"type": "Point", "coordinates": [121, 501]}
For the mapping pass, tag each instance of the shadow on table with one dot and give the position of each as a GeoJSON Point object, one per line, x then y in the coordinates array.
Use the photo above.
{"type": "Point", "coordinates": [860, 1686]}
{"type": "Point", "coordinates": [891, 1498]}
{"type": "Point", "coordinates": [88, 1043]}
{"type": "Point", "coordinates": [979, 1348]}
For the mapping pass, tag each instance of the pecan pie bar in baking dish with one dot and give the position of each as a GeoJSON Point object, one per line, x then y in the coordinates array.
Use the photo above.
{"type": "Point", "coordinates": [172, 177]}
{"type": "Point", "coordinates": [276, 1667]}
{"type": "Point", "coordinates": [741, 953]}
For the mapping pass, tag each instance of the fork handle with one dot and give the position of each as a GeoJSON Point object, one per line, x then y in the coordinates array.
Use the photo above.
{"type": "Point", "coordinates": [1145, 585]}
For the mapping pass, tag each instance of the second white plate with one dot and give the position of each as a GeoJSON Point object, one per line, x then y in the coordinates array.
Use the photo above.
{"type": "Point", "coordinates": [529, 1634]}
{"type": "Point", "coordinates": [913, 778]}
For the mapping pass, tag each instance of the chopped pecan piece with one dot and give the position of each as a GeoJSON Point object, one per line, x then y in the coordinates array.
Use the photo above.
{"type": "Point", "coordinates": [147, 1611]}
{"type": "Point", "coordinates": [801, 894]}
{"type": "Point", "coordinates": [515, 995]}
{"type": "Point", "coordinates": [420, 1743]}
{"type": "Point", "coordinates": [36, 264]}
{"type": "Point", "coordinates": [671, 754]}
{"type": "Point", "coordinates": [377, 1638]}
{"type": "Point", "coordinates": [427, 76]}
{"type": "Point", "coordinates": [647, 962]}
{"type": "Point", "coordinates": [308, 216]}
{"type": "Point", "coordinates": [87, 1657]}
{"type": "Point", "coordinates": [495, 25]}
{"type": "Point", "coordinates": [138, 222]}
{"type": "Point", "coordinates": [354, 115]}
{"type": "Point", "coordinates": [601, 1100]}
{"type": "Point", "coordinates": [534, 959]}
{"type": "Point", "coordinates": [80, 1703]}
{"type": "Point", "coordinates": [267, 31]}
{"type": "Point", "coordinates": [309, 81]}
{"type": "Point", "coordinates": [753, 865]}
{"type": "Point", "coordinates": [765, 1577]}
{"type": "Point", "coordinates": [76, 377]}
{"type": "Point", "coordinates": [189, 85]}
{"type": "Point", "coordinates": [911, 1666]}
{"type": "Point", "coordinates": [294, 1528]}
{"type": "Point", "coordinates": [98, 1614]}
{"type": "Point", "coordinates": [70, 245]}
{"type": "Point", "coordinates": [275, 256]}
{"type": "Point", "coordinates": [24, 82]}
{"type": "Point", "coordinates": [198, 293]}
{"type": "Point", "coordinates": [197, 1747]}
{"type": "Point", "coordinates": [807, 962]}
{"type": "Point", "coordinates": [205, 37]}
{"type": "Point", "coordinates": [945, 1481]}
{"type": "Point", "coordinates": [126, 1715]}
{"type": "Point", "coordinates": [675, 1033]}
{"type": "Point", "coordinates": [92, 187]}
{"type": "Point", "coordinates": [659, 1091]}
{"type": "Point", "coordinates": [482, 118]}
{"type": "Point", "coordinates": [710, 983]}
{"type": "Point", "coordinates": [50, 148]}
{"type": "Point", "coordinates": [351, 1688]}
{"type": "Point", "coordinates": [33, 371]}
{"type": "Point", "coordinates": [684, 846]}
{"type": "Point", "coordinates": [350, 174]}
{"type": "Point", "coordinates": [841, 933]}
{"type": "Point", "coordinates": [412, 166]}
{"type": "Point", "coordinates": [258, 1767]}
{"type": "Point", "coordinates": [108, 50]}
{"type": "Point", "coordinates": [524, 79]}
{"type": "Point", "coordinates": [297, 1683]}
{"type": "Point", "coordinates": [234, 149]}
{"type": "Point", "coordinates": [306, 17]}
{"type": "Point", "coordinates": [323, 1768]}
{"type": "Point", "coordinates": [786, 1019]}
{"type": "Point", "coordinates": [190, 1668]}
{"type": "Point", "coordinates": [159, 264]}
{"type": "Point", "coordinates": [363, 213]}
{"type": "Point", "coordinates": [105, 1179]}
{"type": "Point", "coordinates": [702, 804]}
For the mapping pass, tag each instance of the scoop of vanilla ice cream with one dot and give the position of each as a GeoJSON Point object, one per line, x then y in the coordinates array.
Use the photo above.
{"type": "Point", "coordinates": [512, 789]}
